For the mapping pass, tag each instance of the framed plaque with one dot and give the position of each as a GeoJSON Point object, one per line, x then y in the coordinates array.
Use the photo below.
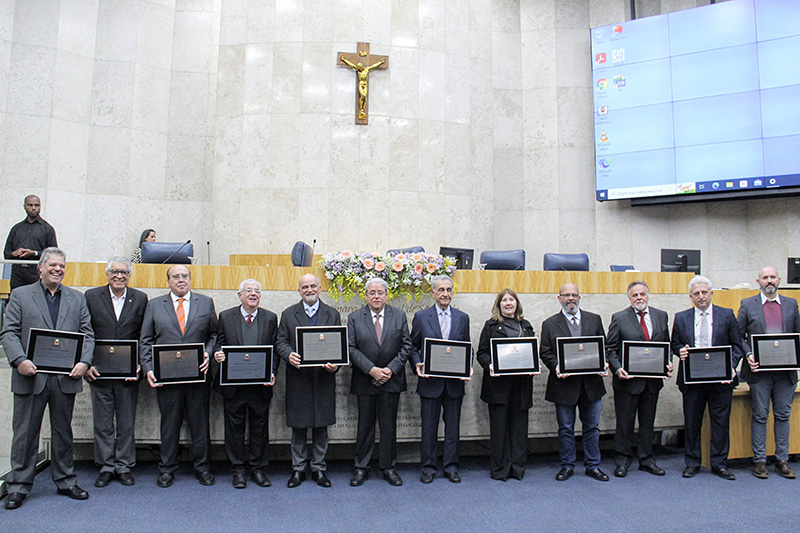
{"type": "Point", "coordinates": [53, 351]}
{"type": "Point", "coordinates": [711, 364]}
{"type": "Point", "coordinates": [114, 359]}
{"type": "Point", "coordinates": [776, 352]}
{"type": "Point", "coordinates": [581, 355]}
{"type": "Point", "coordinates": [515, 356]}
{"type": "Point", "coordinates": [320, 345]}
{"type": "Point", "coordinates": [246, 365]}
{"type": "Point", "coordinates": [646, 359]}
{"type": "Point", "coordinates": [178, 363]}
{"type": "Point", "coordinates": [447, 359]}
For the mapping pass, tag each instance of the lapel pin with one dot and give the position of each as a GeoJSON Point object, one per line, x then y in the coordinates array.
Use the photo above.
{"type": "Point", "coordinates": [708, 356]}
{"type": "Point", "coordinates": [56, 342]}
{"type": "Point", "coordinates": [110, 349]}
{"type": "Point", "coordinates": [247, 357]}
{"type": "Point", "coordinates": [580, 347]}
{"type": "Point", "coordinates": [177, 355]}
{"type": "Point", "coordinates": [322, 336]}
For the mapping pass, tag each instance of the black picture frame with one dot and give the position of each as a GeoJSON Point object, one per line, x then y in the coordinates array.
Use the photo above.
{"type": "Point", "coordinates": [762, 344]}
{"type": "Point", "coordinates": [633, 353]}
{"type": "Point", "coordinates": [568, 346]}
{"type": "Point", "coordinates": [499, 346]}
{"type": "Point", "coordinates": [247, 365]}
{"type": "Point", "coordinates": [175, 364]}
{"type": "Point", "coordinates": [709, 364]}
{"type": "Point", "coordinates": [447, 358]}
{"type": "Point", "coordinates": [321, 345]}
{"type": "Point", "coordinates": [116, 359]}
{"type": "Point", "coordinates": [53, 351]}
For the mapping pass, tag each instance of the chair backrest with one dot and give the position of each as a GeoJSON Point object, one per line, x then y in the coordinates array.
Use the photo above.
{"type": "Point", "coordinates": [621, 268]}
{"type": "Point", "coordinates": [410, 250]}
{"type": "Point", "coordinates": [503, 259]}
{"type": "Point", "coordinates": [6, 271]}
{"type": "Point", "coordinates": [566, 262]}
{"type": "Point", "coordinates": [301, 254]}
{"type": "Point", "coordinates": [162, 252]}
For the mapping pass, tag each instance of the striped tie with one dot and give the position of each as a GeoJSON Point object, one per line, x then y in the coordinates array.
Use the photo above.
{"type": "Point", "coordinates": [378, 329]}
{"type": "Point", "coordinates": [181, 316]}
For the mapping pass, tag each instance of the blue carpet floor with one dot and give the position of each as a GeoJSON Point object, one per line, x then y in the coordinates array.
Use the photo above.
{"type": "Point", "coordinates": [640, 502]}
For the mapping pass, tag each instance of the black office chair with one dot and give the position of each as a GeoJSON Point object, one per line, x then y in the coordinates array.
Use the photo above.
{"type": "Point", "coordinates": [301, 254]}
{"type": "Point", "coordinates": [173, 253]}
{"type": "Point", "coordinates": [621, 268]}
{"type": "Point", "coordinates": [570, 262]}
{"type": "Point", "coordinates": [503, 260]}
{"type": "Point", "coordinates": [410, 250]}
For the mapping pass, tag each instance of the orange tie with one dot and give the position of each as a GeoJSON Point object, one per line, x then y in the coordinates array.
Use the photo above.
{"type": "Point", "coordinates": [181, 316]}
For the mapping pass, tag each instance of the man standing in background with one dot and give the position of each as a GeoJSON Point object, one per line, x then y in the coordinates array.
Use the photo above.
{"type": "Point", "coordinates": [26, 240]}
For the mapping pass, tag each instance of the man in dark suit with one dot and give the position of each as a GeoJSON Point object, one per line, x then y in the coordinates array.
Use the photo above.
{"type": "Point", "coordinates": [247, 325]}
{"type": "Point", "coordinates": [706, 325]}
{"type": "Point", "coordinates": [567, 391]}
{"type": "Point", "coordinates": [639, 322]}
{"type": "Point", "coordinates": [310, 391]}
{"type": "Point", "coordinates": [46, 305]}
{"type": "Point", "coordinates": [379, 348]}
{"type": "Point", "coordinates": [26, 240]}
{"type": "Point", "coordinates": [180, 317]}
{"type": "Point", "coordinates": [440, 321]}
{"type": "Point", "coordinates": [768, 312]}
{"type": "Point", "coordinates": [117, 314]}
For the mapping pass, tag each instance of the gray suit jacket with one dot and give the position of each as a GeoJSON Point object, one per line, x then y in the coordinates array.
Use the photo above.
{"type": "Point", "coordinates": [26, 309]}
{"type": "Point", "coordinates": [365, 352]}
{"type": "Point", "coordinates": [160, 326]}
{"type": "Point", "coordinates": [751, 321]}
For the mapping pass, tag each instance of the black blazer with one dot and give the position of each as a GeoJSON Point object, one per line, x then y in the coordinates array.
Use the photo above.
{"type": "Point", "coordinates": [230, 334]}
{"type": "Point", "coordinates": [625, 326]}
{"type": "Point", "coordinates": [365, 352]}
{"type": "Point", "coordinates": [751, 321]}
{"type": "Point", "coordinates": [567, 391]}
{"type": "Point", "coordinates": [498, 389]}
{"type": "Point", "coordinates": [426, 325]}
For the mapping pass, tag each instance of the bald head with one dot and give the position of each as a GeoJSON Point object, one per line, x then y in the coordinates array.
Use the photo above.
{"type": "Point", "coordinates": [569, 297]}
{"type": "Point", "coordinates": [768, 281]}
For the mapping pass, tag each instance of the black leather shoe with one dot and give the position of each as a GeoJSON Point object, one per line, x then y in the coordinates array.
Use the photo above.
{"type": "Point", "coordinates": [165, 480]}
{"type": "Point", "coordinates": [724, 473]}
{"type": "Point", "coordinates": [453, 477]}
{"type": "Point", "coordinates": [296, 479]}
{"type": "Point", "coordinates": [205, 478]}
{"type": "Point", "coordinates": [239, 482]}
{"type": "Point", "coordinates": [261, 479]}
{"type": "Point", "coordinates": [597, 474]}
{"type": "Point", "coordinates": [498, 478]}
{"type": "Point", "coordinates": [426, 478]}
{"type": "Point", "coordinates": [126, 478]}
{"type": "Point", "coordinates": [321, 479]}
{"type": "Point", "coordinates": [103, 479]}
{"type": "Point", "coordinates": [564, 474]}
{"type": "Point", "coordinates": [360, 475]}
{"type": "Point", "coordinates": [652, 469]}
{"type": "Point", "coordinates": [621, 471]}
{"type": "Point", "coordinates": [691, 471]}
{"type": "Point", "coordinates": [392, 477]}
{"type": "Point", "coordinates": [14, 500]}
{"type": "Point", "coordinates": [74, 492]}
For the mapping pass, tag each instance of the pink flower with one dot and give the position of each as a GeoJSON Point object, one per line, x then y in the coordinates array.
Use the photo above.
{"type": "Point", "coordinates": [346, 253]}
{"type": "Point", "coordinates": [418, 268]}
{"type": "Point", "coordinates": [416, 257]}
{"type": "Point", "coordinates": [400, 257]}
{"type": "Point", "coordinates": [368, 263]}
{"type": "Point", "coordinates": [397, 266]}
{"type": "Point", "coordinates": [380, 266]}
{"type": "Point", "coordinates": [431, 267]}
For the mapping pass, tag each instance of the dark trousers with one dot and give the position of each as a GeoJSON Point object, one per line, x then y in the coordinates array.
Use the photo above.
{"type": "Point", "coordinates": [114, 417]}
{"type": "Point", "coordinates": [450, 410]}
{"type": "Point", "coordinates": [247, 402]}
{"type": "Point", "coordinates": [508, 440]}
{"type": "Point", "coordinates": [627, 407]}
{"type": "Point", "coordinates": [23, 275]}
{"type": "Point", "coordinates": [718, 399]}
{"type": "Point", "coordinates": [176, 402]}
{"type": "Point", "coordinates": [383, 408]}
{"type": "Point", "coordinates": [319, 447]}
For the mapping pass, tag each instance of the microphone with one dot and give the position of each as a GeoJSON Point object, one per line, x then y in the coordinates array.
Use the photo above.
{"type": "Point", "coordinates": [165, 261]}
{"type": "Point", "coordinates": [208, 246]}
{"type": "Point", "coordinates": [313, 245]}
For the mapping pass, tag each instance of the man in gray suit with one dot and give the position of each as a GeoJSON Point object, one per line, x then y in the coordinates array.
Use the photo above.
{"type": "Point", "coordinates": [639, 322]}
{"type": "Point", "coordinates": [769, 312]}
{"type": "Point", "coordinates": [310, 391]}
{"type": "Point", "coordinates": [379, 348]}
{"type": "Point", "coordinates": [46, 305]}
{"type": "Point", "coordinates": [117, 314]}
{"type": "Point", "coordinates": [180, 317]}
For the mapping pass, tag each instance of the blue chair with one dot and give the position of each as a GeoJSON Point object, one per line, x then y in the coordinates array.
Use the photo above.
{"type": "Point", "coordinates": [570, 262]}
{"type": "Point", "coordinates": [302, 254]}
{"type": "Point", "coordinates": [173, 253]}
{"type": "Point", "coordinates": [621, 268]}
{"type": "Point", "coordinates": [411, 250]}
{"type": "Point", "coordinates": [6, 271]}
{"type": "Point", "coordinates": [503, 260]}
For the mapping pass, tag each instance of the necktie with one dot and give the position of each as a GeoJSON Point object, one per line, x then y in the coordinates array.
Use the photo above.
{"type": "Point", "coordinates": [644, 325]}
{"type": "Point", "coordinates": [378, 328]}
{"type": "Point", "coordinates": [444, 324]}
{"type": "Point", "coordinates": [703, 340]}
{"type": "Point", "coordinates": [574, 321]}
{"type": "Point", "coordinates": [249, 319]}
{"type": "Point", "coordinates": [181, 316]}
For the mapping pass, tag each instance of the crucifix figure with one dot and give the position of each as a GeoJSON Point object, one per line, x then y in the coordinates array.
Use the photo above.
{"type": "Point", "coordinates": [362, 62]}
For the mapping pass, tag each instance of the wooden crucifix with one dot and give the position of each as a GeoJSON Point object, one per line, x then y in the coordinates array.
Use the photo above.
{"type": "Point", "coordinates": [362, 62]}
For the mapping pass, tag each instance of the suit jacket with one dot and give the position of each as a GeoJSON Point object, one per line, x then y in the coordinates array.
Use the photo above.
{"type": "Point", "coordinates": [26, 309]}
{"type": "Point", "coordinates": [499, 389]}
{"type": "Point", "coordinates": [625, 326]}
{"type": "Point", "coordinates": [725, 331]}
{"type": "Point", "coordinates": [751, 321]}
{"type": "Point", "coordinates": [160, 326]}
{"type": "Point", "coordinates": [105, 323]}
{"type": "Point", "coordinates": [229, 333]}
{"type": "Point", "coordinates": [365, 352]}
{"type": "Point", "coordinates": [311, 391]}
{"type": "Point", "coordinates": [426, 325]}
{"type": "Point", "coordinates": [567, 391]}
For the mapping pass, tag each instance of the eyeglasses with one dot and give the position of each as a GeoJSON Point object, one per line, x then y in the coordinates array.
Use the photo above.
{"type": "Point", "coordinates": [180, 276]}
{"type": "Point", "coordinates": [252, 290]}
{"type": "Point", "coordinates": [115, 272]}
{"type": "Point", "coordinates": [571, 295]}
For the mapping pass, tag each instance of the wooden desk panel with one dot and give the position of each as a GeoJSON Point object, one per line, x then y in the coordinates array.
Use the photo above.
{"type": "Point", "coordinates": [5, 288]}
{"type": "Point", "coordinates": [265, 259]}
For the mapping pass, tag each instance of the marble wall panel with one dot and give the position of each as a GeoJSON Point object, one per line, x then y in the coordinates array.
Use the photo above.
{"type": "Point", "coordinates": [69, 144]}
{"type": "Point", "coordinates": [405, 82]}
{"type": "Point", "coordinates": [539, 67]}
{"type": "Point", "coordinates": [194, 5]}
{"type": "Point", "coordinates": [509, 229]}
{"type": "Point", "coordinates": [105, 237]}
{"type": "Point", "coordinates": [432, 72]}
{"type": "Point", "coordinates": [405, 24]}
{"type": "Point", "coordinates": [283, 218]}
{"type": "Point", "coordinates": [457, 89]}
{"type": "Point", "coordinates": [572, 14]}
{"type": "Point", "coordinates": [537, 15]}
{"type": "Point", "coordinates": [109, 152]}
{"type": "Point", "coordinates": [185, 169]}
{"type": "Point", "coordinates": [507, 122]}
{"type": "Point", "coordinates": [77, 27]}
{"type": "Point", "coordinates": [36, 23]}
{"type": "Point", "coordinates": [317, 72]}
{"type": "Point", "coordinates": [155, 31]}
{"type": "Point", "coordinates": [284, 150]}
{"type": "Point", "coordinates": [315, 150]}
{"type": "Point", "coordinates": [345, 149]}
{"type": "Point", "coordinates": [614, 232]}
{"type": "Point", "coordinates": [230, 81]}
{"type": "Point", "coordinates": [288, 21]}
{"type": "Point", "coordinates": [508, 182]}
{"type": "Point", "coordinates": [771, 236]}
{"type": "Point", "coordinates": [191, 49]}
{"type": "Point", "coordinates": [313, 214]}
{"type": "Point", "coordinates": [254, 162]}
{"type": "Point", "coordinates": [411, 220]}
{"type": "Point", "coordinates": [147, 164]}
{"type": "Point", "coordinates": [457, 31]}
{"type": "Point", "coordinates": [576, 177]}
{"type": "Point", "coordinates": [541, 236]}
{"type": "Point", "coordinates": [481, 96]}
{"type": "Point", "coordinates": [225, 230]}
{"type": "Point", "coordinates": [228, 146]}
{"type": "Point", "coordinates": [376, 23]}
{"type": "Point", "coordinates": [603, 12]}
{"type": "Point", "coordinates": [457, 159]}
{"type": "Point", "coordinates": [30, 81]}
{"type": "Point", "coordinates": [343, 231]}
{"type": "Point", "coordinates": [573, 65]}
{"type": "Point", "coordinates": [188, 99]}
{"type": "Point", "coordinates": [151, 99]}
{"type": "Point", "coordinates": [7, 9]}
{"type": "Point", "coordinates": [651, 230]}
{"type": "Point", "coordinates": [65, 211]}
{"type": "Point", "coordinates": [258, 78]}
{"type": "Point", "coordinates": [117, 30]}
{"type": "Point", "coordinates": [287, 77]}
{"type": "Point", "coordinates": [540, 118]}
{"type": "Point", "coordinates": [573, 104]}
{"type": "Point", "coordinates": [112, 94]}
{"type": "Point", "coordinates": [576, 234]}
{"type": "Point", "coordinates": [260, 21]}
{"type": "Point", "coordinates": [72, 87]}
{"type": "Point", "coordinates": [506, 60]}
{"type": "Point", "coordinates": [375, 155]}
{"type": "Point", "coordinates": [432, 25]}
{"type": "Point", "coordinates": [541, 177]}
{"type": "Point", "coordinates": [403, 153]}
{"type": "Point", "coordinates": [505, 16]}
{"type": "Point", "coordinates": [430, 177]}
{"type": "Point", "coordinates": [27, 147]}
{"type": "Point", "coordinates": [347, 22]}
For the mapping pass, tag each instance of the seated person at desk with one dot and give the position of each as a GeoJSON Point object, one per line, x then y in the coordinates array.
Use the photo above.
{"type": "Point", "coordinates": [148, 235]}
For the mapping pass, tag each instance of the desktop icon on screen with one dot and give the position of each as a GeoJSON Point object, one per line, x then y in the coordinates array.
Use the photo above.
{"type": "Point", "coordinates": [742, 184]}
{"type": "Point", "coordinates": [602, 110]}
{"type": "Point", "coordinates": [618, 55]}
{"type": "Point", "coordinates": [602, 83]}
{"type": "Point", "coordinates": [603, 164]}
{"type": "Point", "coordinates": [757, 183]}
{"type": "Point", "coordinates": [600, 58]}
{"type": "Point", "coordinates": [729, 185]}
{"type": "Point", "coordinates": [603, 137]}
{"type": "Point", "coordinates": [617, 30]}
{"type": "Point", "coordinates": [619, 81]}
{"type": "Point", "coordinates": [715, 185]}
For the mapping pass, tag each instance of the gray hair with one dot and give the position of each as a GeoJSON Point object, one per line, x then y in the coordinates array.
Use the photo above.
{"type": "Point", "coordinates": [699, 280]}
{"type": "Point", "coordinates": [441, 277]}
{"type": "Point", "coordinates": [119, 259]}
{"type": "Point", "coordinates": [249, 282]}
{"type": "Point", "coordinates": [373, 281]}
{"type": "Point", "coordinates": [632, 284]}
{"type": "Point", "coordinates": [52, 250]}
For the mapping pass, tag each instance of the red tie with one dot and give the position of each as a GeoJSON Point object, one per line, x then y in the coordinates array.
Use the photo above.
{"type": "Point", "coordinates": [644, 325]}
{"type": "Point", "coordinates": [181, 316]}
{"type": "Point", "coordinates": [249, 319]}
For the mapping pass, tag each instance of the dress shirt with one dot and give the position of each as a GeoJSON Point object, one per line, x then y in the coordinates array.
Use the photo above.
{"type": "Point", "coordinates": [118, 303]}
{"type": "Point", "coordinates": [698, 321]}
{"type": "Point", "coordinates": [311, 310]}
{"type": "Point", "coordinates": [186, 300]}
{"type": "Point", "coordinates": [244, 313]}
{"type": "Point", "coordinates": [647, 321]}
{"type": "Point", "coordinates": [576, 315]}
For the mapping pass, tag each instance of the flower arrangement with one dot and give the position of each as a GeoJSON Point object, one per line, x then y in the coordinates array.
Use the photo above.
{"type": "Point", "coordinates": [407, 274]}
